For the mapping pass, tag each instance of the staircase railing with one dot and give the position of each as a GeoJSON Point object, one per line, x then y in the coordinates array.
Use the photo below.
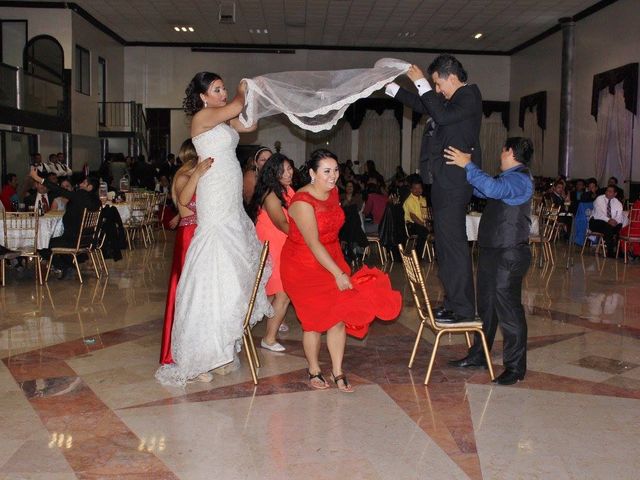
{"type": "Point", "coordinates": [124, 117]}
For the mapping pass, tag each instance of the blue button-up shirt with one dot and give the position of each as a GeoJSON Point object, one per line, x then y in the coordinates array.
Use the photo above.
{"type": "Point", "coordinates": [512, 187]}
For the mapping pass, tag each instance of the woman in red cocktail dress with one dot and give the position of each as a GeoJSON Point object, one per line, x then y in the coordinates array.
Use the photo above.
{"type": "Point", "coordinates": [317, 278]}
{"type": "Point", "coordinates": [183, 192]}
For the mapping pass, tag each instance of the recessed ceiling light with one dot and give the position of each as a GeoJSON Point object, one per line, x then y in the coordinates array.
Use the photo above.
{"type": "Point", "coordinates": [266, 31]}
{"type": "Point", "coordinates": [177, 29]}
{"type": "Point", "coordinates": [251, 30]}
{"type": "Point", "coordinates": [191, 29]}
{"type": "Point", "coordinates": [477, 35]}
{"type": "Point", "coordinates": [184, 29]}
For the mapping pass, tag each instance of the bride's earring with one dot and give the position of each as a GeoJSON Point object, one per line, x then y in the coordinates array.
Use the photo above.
{"type": "Point", "coordinates": [205, 104]}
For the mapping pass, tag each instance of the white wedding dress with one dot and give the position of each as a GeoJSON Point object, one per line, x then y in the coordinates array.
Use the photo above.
{"type": "Point", "coordinates": [219, 269]}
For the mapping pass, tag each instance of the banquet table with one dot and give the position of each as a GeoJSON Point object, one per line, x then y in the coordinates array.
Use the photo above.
{"type": "Point", "coordinates": [49, 226]}
{"type": "Point", "coordinates": [473, 222]}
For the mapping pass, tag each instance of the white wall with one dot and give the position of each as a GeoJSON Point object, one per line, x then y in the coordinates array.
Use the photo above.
{"type": "Point", "coordinates": [85, 107]}
{"type": "Point", "coordinates": [157, 78]}
{"type": "Point", "coordinates": [55, 22]}
{"type": "Point", "coordinates": [607, 39]}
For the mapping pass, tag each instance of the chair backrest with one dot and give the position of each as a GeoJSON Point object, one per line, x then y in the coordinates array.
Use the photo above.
{"type": "Point", "coordinates": [256, 284]}
{"type": "Point", "coordinates": [20, 231]}
{"type": "Point", "coordinates": [418, 286]}
{"type": "Point", "coordinates": [138, 207]}
{"type": "Point", "coordinates": [88, 229]}
{"type": "Point", "coordinates": [412, 241]}
{"type": "Point", "coordinates": [634, 222]}
{"type": "Point", "coordinates": [160, 202]}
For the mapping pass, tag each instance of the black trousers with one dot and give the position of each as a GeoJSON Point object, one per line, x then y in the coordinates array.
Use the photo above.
{"type": "Point", "coordinates": [610, 233]}
{"type": "Point", "coordinates": [500, 274]}
{"type": "Point", "coordinates": [421, 232]}
{"type": "Point", "coordinates": [452, 247]}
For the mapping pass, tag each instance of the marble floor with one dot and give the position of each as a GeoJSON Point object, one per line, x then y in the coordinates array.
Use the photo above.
{"type": "Point", "coordinates": [78, 398]}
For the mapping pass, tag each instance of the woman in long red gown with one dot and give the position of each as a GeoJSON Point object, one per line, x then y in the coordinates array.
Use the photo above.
{"type": "Point", "coordinates": [183, 192]}
{"type": "Point", "coordinates": [317, 278]}
{"type": "Point", "coordinates": [268, 209]}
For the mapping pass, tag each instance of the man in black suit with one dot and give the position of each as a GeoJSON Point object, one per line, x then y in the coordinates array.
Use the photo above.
{"type": "Point", "coordinates": [456, 109]}
{"type": "Point", "coordinates": [85, 197]}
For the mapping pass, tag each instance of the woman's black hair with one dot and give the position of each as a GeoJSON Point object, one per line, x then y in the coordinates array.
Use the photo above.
{"type": "Point", "coordinates": [192, 102]}
{"type": "Point", "coordinates": [314, 162]}
{"type": "Point", "coordinates": [269, 181]}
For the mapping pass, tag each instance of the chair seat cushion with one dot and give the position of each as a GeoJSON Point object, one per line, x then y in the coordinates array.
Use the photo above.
{"type": "Point", "coordinates": [475, 324]}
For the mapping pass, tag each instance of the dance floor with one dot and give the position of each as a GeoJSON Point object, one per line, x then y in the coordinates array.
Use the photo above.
{"type": "Point", "coordinates": [78, 398]}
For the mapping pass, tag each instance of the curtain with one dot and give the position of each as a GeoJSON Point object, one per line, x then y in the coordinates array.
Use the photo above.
{"type": "Point", "coordinates": [603, 131]}
{"type": "Point", "coordinates": [624, 130]}
{"type": "Point", "coordinates": [492, 137]}
{"type": "Point", "coordinates": [337, 140]}
{"type": "Point", "coordinates": [532, 130]}
{"type": "Point", "coordinates": [416, 143]}
{"type": "Point", "coordinates": [379, 140]}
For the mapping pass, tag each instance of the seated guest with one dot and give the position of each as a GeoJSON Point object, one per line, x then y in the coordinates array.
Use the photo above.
{"type": "Point", "coordinates": [39, 197]}
{"type": "Point", "coordinates": [632, 229]}
{"type": "Point", "coordinates": [9, 194]}
{"type": "Point", "coordinates": [86, 197]}
{"type": "Point", "coordinates": [163, 185]}
{"type": "Point", "coordinates": [59, 203]}
{"type": "Point", "coordinates": [577, 193]}
{"type": "Point", "coordinates": [557, 194]}
{"type": "Point", "coordinates": [591, 193]}
{"type": "Point", "coordinates": [251, 172]}
{"type": "Point", "coordinates": [613, 182]}
{"type": "Point", "coordinates": [414, 211]}
{"type": "Point", "coordinates": [63, 169]}
{"type": "Point", "coordinates": [607, 218]}
{"type": "Point", "coordinates": [374, 206]}
{"type": "Point", "coordinates": [351, 196]}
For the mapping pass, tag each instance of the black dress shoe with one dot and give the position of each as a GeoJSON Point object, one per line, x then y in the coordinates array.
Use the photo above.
{"type": "Point", "coordinates": [469, 362]}
{"type": "Point", "coordinates": [455, 318]}
{"type": "Point", "coordinates": [441, 312]}
{"type": "Point", "coordinates": [508, 377]}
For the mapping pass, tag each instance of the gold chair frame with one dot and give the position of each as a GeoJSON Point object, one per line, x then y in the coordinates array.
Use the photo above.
{"type": "Point", "coordinates": [138, 219]}
{"type": "Point", "coordinates": [247, 339]}
{"type": "Point", "coordinates": [425, 315]}
{"type": "Point", "coordinates": [22, 221]}
{"type": "Point", "coordinates": [625, 240]}
{"type": "Point", "coordinates": [547, 222]}
{"type": "Point", "coordinates": [84, 244]}
{"type": "Point", "coordinates": [156, 214]}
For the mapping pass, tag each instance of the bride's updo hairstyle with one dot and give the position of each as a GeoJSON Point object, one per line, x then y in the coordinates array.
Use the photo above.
{"type": "Point", "coordinates": [192, 102]}
{"type": "Point", "coordinates": [314, 162]}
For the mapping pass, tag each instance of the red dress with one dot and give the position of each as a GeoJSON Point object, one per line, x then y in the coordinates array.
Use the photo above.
{"type": "Point", "coordinates": [266, 230]}
{"type": "Point", "coordinates": [313, 290]}
{"type": "Point", "coordinates": [184, 234]}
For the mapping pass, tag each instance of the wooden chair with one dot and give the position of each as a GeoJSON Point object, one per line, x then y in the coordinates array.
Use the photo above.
{"type": "Point", "coordinates": [157, 214]}
{"type": "Point", "coordinates": [84, 244]}
{"type": "Point", "coordinates": [98, 244]}
{"type": "Point", "coordinates": [425, 315]}
{"type": "Point", "coordinates": [633, 234]}
{"type": "Point", "coordinates": [548, 221]}
{"type": "Point", "coordinates": [247, 339]}
{"type": "Point", "coordinates": [374, 239]}
{"type": "Point", "coordinates": [600, 244]}
{"type": "Point", "coordinates": [21, 236]}
{"type": "Point", "coordinates": [136, 223]}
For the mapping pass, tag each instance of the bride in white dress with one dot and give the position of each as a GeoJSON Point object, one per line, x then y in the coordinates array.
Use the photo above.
{"type": "Point", "coordinates": [223, 257]}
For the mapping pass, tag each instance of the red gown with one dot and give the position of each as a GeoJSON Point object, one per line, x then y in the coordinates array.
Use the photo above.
{"type": "Point", "coordinates": [313, 290]}
{"type": "Point", "coordinates": [184, 234]}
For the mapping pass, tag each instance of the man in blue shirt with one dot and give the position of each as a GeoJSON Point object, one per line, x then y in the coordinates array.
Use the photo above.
{"type": "Point", "coordinates": [503, 240]}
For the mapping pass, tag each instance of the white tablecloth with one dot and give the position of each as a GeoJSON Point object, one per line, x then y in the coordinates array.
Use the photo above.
{"type": "Point", "coordinates": [473, 222]}
{"type": "Point", "coordinates": [49, 226]}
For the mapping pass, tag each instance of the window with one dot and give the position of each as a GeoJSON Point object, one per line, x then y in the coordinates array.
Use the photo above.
{"type": "Point", "coordinates": [102, 89]}
{"type": "Point", "coordinates": [83, 70]}
{"type": "Point", "coordinates": [13, 40]}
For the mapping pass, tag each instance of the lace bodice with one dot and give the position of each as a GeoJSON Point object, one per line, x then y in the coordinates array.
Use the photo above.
{"type": "Point", "coordinates": [329, 217]}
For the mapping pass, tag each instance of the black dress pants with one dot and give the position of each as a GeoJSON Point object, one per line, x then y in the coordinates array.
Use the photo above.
{"type": "Point", "coordinates": [421, 232]}
{"type": "Point", "coordinates": [452, 247]}
{"type": "Point", "coordinates": [500, 274]}
{"type": "Point", "coordinates": [609, 232]}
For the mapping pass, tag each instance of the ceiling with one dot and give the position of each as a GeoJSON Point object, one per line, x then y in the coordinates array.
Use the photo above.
{"type": "Point", "coordinates": [410, 24]}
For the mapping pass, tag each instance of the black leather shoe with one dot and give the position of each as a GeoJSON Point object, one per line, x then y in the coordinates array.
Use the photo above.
{"type": "Point", "coordinates": [508, 377]}
{"type": "Point", "coordinates": [441, 312]}
{"type": "Point", "coordinates": [469, 362]}
{"type": "Point", "coordinates": [455, 318]}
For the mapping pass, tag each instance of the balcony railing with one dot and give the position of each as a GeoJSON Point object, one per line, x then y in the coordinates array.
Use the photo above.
{"type": "Point", "coordinates": [127, 117]}
{"type": "Point", "coordinates": [24, 91]}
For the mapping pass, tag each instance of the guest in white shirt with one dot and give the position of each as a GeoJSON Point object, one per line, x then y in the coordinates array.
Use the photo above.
{"type": "Point", "coordinates": [607, 218]}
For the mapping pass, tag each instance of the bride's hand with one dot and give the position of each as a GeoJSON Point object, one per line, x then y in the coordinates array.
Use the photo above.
{"type": "Point", "coordinates": [343, 282]}
{"type": "Point", "coordinates": [203, 166]}
{"type": "Point", "coordinates": [242, 88]}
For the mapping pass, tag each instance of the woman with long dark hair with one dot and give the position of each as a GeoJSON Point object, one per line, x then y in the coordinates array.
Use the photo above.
{"type": "Point", "coordinates": [268, 208]}
{"type": "Point", "coordinates": [318, 280]}
{"type": "Point", "coordinates": [252, 172]}
{"type": "Point", "coordinates": [224, 254]}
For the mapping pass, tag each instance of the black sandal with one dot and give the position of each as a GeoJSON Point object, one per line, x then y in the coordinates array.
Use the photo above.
{"type": "Point", "coordinates": [319, 376]}
{"type": "Point", "coordinates": [346, 386]}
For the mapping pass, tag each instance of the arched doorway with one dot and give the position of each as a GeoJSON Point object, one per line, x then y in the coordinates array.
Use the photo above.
{"type": "Point", "coordinates": [44, 58]}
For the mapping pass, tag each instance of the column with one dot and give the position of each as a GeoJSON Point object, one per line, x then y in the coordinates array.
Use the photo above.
{"type": "Point", "coordinates": [565, 153]}
{"type": "Point", "coordinates": [406, 133]}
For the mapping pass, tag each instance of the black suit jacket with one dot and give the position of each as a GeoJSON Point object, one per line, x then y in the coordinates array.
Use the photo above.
{"type": "Point", "coordinates": [458, 125]}
{"type": "Point", "coordinates": [78, 201]}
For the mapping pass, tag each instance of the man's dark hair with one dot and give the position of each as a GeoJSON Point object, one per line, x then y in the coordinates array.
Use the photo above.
{"type": "Point", "coordinates": [614, 179]}
{"type": "Point", "coordinates": [591, 180]}
{"type": "Point", "coordinates": [446, 65]}
{"type": "Point", "coordinates": [94, 182]}
{"type": "Point", "coordinates": [414, 179]}
{"type": "Point", "coordinates": [522, 148]}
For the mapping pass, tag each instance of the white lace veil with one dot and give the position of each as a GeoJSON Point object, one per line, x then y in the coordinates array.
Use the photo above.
{"type": "Point", "coordinates": [315, 101]}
